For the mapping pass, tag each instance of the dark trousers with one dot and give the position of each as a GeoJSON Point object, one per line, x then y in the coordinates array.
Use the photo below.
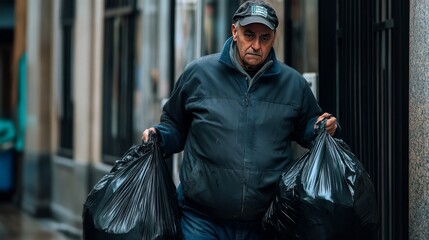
{"type": "Point", "coordinates": [197, 226]}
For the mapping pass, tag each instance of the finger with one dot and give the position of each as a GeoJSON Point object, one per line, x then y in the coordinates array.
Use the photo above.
{"type": "Point", "coordinates": [145, 136]}
{"type": "Point", "coordinates": [331, 125]}
{"type": "Point", "coordinates": [324, 116]}
{"type": "Point", "coordinates": [331, 121]}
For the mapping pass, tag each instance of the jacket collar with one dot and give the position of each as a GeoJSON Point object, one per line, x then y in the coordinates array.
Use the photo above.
{"type": "Point", "coordinates": [226, 59]}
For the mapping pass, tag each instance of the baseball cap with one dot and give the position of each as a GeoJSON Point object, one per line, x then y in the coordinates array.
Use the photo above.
{"type": "Point", "coordinates": [256, 11]}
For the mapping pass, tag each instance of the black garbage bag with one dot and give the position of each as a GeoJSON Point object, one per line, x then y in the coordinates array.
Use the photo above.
{"type": "Point", "coordinates": [135, 201]}
{"type": "Point", "coordinates": [325, 194]}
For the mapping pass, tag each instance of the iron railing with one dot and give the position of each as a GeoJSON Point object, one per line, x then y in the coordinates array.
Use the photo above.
{"type": "Point", "coordinates": [372, 83]}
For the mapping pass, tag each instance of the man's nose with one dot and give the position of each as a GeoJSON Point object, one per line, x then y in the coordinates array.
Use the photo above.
{"type": "Point", "coordinates": [256, 45]}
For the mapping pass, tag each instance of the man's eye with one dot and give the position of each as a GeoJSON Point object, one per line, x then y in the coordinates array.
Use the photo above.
{"type": "Point", "coordinates": [248, 35]}
{"type": "Point", "coordinates": [265, 38]}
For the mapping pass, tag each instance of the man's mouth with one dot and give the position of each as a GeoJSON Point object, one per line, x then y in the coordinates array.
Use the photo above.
{"type": "Point", "coordinates": [254, 54]}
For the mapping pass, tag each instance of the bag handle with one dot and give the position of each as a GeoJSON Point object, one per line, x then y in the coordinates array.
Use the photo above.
{"type": "Point", "coordinates": [321, 126]}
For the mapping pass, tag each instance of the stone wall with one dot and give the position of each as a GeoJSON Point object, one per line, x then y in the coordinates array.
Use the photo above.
{"type": "Point", "coordinates": [419, 121]}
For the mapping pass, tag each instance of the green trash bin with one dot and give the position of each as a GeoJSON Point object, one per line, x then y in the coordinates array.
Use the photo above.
{"type": "Point", "coordinates": [7, 136]}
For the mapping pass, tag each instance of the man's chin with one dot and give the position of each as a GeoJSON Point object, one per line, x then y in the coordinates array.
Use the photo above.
{"type": "Point", "coordinates": [252, 65]}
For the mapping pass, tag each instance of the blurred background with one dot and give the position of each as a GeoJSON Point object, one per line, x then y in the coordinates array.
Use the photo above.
{"type": "Point", "coordinates": [81, 79]}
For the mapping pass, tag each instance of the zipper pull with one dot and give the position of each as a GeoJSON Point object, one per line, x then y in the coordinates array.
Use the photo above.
{"type": "Point", "coordinates": [246, 100]}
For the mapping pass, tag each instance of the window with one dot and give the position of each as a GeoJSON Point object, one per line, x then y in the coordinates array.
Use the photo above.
{"type": "Point", "coordinates": [279, 44]}
{"type": "Point", "coordinates": [118, 77]}
{"type": "Point", "coordinates": [201, 28]}
{"type": "Point", "coordinates": [66, 105]}
{"type": "Point", "coordinates": [185, 36]}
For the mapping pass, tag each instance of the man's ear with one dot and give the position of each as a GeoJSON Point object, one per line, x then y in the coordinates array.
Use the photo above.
{"type": "Point", "coordinates": [234, 32]}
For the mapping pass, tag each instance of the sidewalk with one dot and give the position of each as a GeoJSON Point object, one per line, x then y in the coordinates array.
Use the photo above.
{"type": "Point", "coordinates": [18, 225]}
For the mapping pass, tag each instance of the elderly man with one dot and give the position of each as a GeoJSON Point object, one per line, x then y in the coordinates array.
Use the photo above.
{"type": "Point", "coordinates": [234, 115]}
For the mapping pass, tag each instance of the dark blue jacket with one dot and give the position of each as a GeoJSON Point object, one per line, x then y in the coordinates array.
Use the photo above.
{"type": "Point", "coordinates": [236, 132]}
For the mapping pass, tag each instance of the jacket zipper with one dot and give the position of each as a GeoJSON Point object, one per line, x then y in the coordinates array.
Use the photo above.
{"type": "Point", "coordinates": [250, 82]}
{"type": "Point", "coordinates": [258, 74]}
{"type": "Point", "coordinates": [246, 100]}
{"type": "Point", "coordinates": [243, 191]}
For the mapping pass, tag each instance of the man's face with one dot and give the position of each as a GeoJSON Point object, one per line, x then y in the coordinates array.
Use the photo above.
{"type": "Point", "coordinates": [254, 42]}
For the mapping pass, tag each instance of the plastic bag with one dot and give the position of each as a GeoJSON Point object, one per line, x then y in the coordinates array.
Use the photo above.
{"type": "Point", "coordinates": [136, 200]}
{"type": "Point", "coordinates": [325, 194]}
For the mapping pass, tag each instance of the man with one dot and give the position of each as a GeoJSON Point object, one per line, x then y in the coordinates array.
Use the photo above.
{"type": "Point", "coordinates": [234, 115]}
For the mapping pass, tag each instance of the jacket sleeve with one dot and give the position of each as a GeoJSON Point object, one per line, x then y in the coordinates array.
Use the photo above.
{"type": "Point", "coordinates": [309, 112]}
{"type": "Point", "coordinates": [175, 119]}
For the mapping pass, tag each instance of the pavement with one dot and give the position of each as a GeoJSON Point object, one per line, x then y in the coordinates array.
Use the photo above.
{"type": "Point", "coordinates": [16, 224]}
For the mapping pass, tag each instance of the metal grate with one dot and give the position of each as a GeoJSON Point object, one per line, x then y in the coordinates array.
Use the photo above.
{"type": "Point", "coordinates": [372, 79]}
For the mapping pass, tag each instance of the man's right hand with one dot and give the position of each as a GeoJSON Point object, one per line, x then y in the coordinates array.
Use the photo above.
{"type": "Point", "coordinates": [146, 133]}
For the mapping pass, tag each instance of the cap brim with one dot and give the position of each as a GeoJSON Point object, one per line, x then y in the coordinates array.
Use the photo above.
{"type": "Point", "coordinates": [256, 19]}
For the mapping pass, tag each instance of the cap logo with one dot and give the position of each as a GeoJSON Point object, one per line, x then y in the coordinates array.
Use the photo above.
{"type": "Point", "coordinates": [259, 11]}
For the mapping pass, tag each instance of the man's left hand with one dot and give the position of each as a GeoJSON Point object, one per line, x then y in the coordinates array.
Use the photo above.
{"type": "Point", "coordinates": [331, 123]}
